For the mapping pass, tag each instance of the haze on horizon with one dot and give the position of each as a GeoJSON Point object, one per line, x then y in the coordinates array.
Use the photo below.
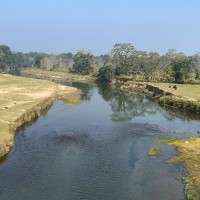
{"type": "Point", "coordinates": [57, 26]}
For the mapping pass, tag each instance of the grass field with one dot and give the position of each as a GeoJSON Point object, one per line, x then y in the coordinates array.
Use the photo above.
{"type": "Point", "coordinates": [183, 90]}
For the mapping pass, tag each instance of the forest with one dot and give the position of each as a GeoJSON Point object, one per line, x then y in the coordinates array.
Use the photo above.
{"type": "Point", "coordinates": [123, 60]}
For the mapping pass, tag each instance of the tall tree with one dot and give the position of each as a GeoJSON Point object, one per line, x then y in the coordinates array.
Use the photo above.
{"type": "Point", "coordinates": [122, 55]}
{"type": "Point", "coordinates": [5, 57]}
{"type": "Point", "coordinates": [83, 63]}
{"type": "Point", "coordinates": [181, 70]}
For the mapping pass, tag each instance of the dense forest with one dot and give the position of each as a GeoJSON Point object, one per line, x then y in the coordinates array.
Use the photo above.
{"type": "Point", "coordinates": [123, 60]}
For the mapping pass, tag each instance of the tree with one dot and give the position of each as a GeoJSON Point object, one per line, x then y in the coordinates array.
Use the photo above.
{"type": "Point", "coordinates": [122, 57]}
{"type": "Point", "coordinates": [82, 63]}
{"type": "Point", "coordinates": [18, 60]}
{"type": "Point", "coordinates": [195, 61]}
{"type": "Point", "coordinates": [38, 60]}
{"type": "Point", "coordinates": [5, 57]}
{"type": "Point", "coordinates": [106, 74]}
{"type": "Point", "coordinates": [146, 63]}
{"type": "Point", "coordinates": [197, 74]}
{"type": "Point", "coordinates": [167, 68]}
{"type": "Point", "coordinates": [181, 70]}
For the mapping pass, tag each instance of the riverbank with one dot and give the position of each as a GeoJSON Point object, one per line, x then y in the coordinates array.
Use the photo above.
{"type": "Point", "coordinates": [189, 154]}
{"type": "Point", "coordinates": [54, 75]}
{"type": "Point", "coordinates": [185, 97]}
{"type": "Point", "coordinates": [24, 99]}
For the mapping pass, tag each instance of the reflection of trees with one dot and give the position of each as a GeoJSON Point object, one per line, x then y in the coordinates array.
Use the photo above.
{"type": "Point", "coordinates": [126, 106]}
{"type": "Point", "coordinates": [172, 113]}
{"type": "Point", "coordinates": [106, 91]}
{"type": "Point", "coordinates": [86, 89]}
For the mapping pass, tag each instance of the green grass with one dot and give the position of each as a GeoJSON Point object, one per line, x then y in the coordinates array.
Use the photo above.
{"type": "Point", "coordinates": [183, 90]}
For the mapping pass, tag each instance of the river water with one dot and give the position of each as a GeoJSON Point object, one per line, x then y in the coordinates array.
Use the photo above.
{"type": "Point", "coordinates": [97, 150]}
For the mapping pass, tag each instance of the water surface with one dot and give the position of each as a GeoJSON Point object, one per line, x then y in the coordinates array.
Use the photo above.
{"type": "Point", "coordinates": [97, 150]}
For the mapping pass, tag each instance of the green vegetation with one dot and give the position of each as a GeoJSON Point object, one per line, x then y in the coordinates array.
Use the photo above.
{"type": "Point", "coordinates": [106, 74]}
{"type": "Point", "coordinates": [189, 154]}
{"type": "Point", "coordinates": [154, 152]}
{"type": "Point", "coordinates": [124, 64]}
{"type": "Point", "coordinates": [184, 90]}
{"type": "Point", "coordinates": [123, 60]}
{"type": "Point", "coordinates": [173, 67]}
{"type": "Point", "coordinates": [180, 70]}
{"type": "Point", "coordinates": [82, 63]}
{"type": "Point", "coordinates": [186, 97]}
{"type": "Point", "coordinates": [181, 104]}
{"type": "Point", "coordinates": [74, 102]}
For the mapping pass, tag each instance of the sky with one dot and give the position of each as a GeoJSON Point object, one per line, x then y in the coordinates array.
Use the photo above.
{"type": "Point", "coordinates": [60, 26]}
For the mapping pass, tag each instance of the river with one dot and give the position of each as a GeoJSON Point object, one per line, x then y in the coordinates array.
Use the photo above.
{"type": "Point", "coordinates": [97, 150]}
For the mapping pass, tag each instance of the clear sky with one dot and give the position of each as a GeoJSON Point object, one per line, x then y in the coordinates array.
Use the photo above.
{"type": "Point", "coordinates": [55, 26]}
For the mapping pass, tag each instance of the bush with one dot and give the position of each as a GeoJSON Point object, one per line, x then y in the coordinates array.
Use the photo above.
{"type": "Point", "coordinates": [106, 74]}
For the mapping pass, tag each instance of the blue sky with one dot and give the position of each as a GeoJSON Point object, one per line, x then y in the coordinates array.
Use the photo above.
{"type": "Point", "coordinates": [55, 26]}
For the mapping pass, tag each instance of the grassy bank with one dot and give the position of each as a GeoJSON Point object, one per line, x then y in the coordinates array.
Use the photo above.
{"type": "Point", "coordinates": [189, 154]}
{"type": "Point", "coordinates": [22, 100]}
{"type": "Point", "coordinates": [185, 91]}
{"type": "Point", "coordinates": [50, 75]}
{"type": "Point", "coordinates": [185, 98]}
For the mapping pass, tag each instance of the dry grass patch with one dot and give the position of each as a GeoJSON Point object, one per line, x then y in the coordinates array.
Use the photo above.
{"type": "Point", "coordinates": [45, 74]}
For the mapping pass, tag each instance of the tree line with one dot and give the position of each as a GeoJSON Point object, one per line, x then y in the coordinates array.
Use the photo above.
{"type": "Point", "coordinates": [123, 60]}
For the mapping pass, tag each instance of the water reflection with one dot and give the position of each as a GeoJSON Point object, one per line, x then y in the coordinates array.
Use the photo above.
{"type": "Point", "coordinates": [126, 106]}
{"type": "Point", "coordinates": [80, 152]}
{"type": "Point", "coordinates": [87, 90]}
